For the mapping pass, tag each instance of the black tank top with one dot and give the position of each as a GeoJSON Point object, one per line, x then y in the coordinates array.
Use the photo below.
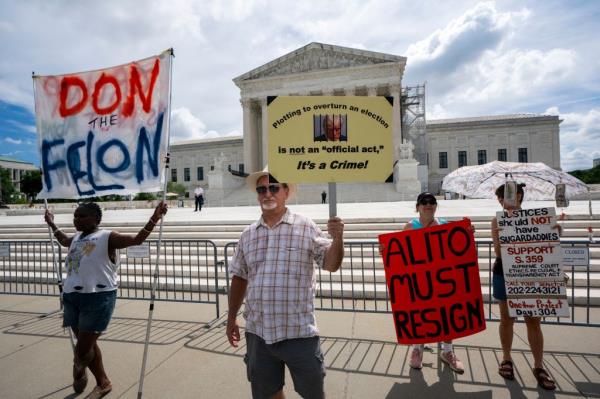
{"type": "Point", "coordinates": [497, 269]}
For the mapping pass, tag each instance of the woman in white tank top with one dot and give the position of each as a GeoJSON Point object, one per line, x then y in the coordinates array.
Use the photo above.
{"type": "Point", "coordinates": [91, 285]}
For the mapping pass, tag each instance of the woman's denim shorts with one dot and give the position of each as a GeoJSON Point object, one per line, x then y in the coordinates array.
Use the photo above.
{"type": "Point", "coordinates": [499, 290]}
{"type": "Point", "coordinates": [89, 312]}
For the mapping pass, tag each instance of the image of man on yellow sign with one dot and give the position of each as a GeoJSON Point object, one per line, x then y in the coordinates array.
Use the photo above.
{"type": "Point", "coordinates": [330, 128]}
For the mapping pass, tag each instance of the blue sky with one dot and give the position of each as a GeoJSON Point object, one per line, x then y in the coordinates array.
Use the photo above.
{"type": "Point", "coordinates": [477, 57]}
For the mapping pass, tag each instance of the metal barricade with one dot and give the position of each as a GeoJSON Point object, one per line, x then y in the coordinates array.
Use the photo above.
{"type": "Point", "coordinates": [26, 267]}
{"type": "Point", "coordinates": [360, 284]}
{"type": "Point", "coordinates": [188, 271]}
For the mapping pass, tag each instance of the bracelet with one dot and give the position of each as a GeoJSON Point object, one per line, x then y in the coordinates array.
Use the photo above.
{"type": "Point", "coordinates": [152, 221]}
{"type": "Point", "coordinates": [146, 230]}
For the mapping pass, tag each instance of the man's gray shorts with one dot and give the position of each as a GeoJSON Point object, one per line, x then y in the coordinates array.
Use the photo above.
{"type": "Point", "coordinates": [265, 366]}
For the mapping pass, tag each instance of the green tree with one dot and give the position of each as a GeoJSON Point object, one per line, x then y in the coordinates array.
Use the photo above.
{"type": "Point", "coordinates": [145, 197]}
{"type": "Point", "coordinates": [588, 176]}
{"type": "Point", "coordinates": [7, 186]}
{"type": "Point", "coordinates": [31, 183]}
{"type": "Point", "coordinates": [178, 188]}
{"type": "Point", "coordinates": [107, 198]}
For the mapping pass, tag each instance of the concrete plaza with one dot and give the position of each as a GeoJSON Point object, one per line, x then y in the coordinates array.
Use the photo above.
{"type": "Point", "coordinates": [187, 360]}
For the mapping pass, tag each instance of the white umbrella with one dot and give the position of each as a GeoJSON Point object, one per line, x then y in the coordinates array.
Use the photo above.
{"type": "Point", "coordinates": [481, 181]}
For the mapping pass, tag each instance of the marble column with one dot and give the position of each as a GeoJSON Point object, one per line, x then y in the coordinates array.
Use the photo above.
{"type": "Point", "coordinates": [264, 135]}
{"type": "Point", "coordinates": [250, 139]}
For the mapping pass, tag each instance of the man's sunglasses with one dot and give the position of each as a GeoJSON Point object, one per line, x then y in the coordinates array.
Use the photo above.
{"type": "Point", "coordinates": [428, 201]}
{"type": "Point", "coordinates": [273, 189]}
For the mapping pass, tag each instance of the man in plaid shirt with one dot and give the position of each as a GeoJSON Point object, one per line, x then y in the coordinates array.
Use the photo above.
{"type": "Point", "coordinates": [273, 269]}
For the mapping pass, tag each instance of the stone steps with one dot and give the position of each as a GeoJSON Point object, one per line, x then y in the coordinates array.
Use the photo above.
{"type": "Point", "coordinates": [233, 235]}
{"type": "Point", "coordinates": [325, 288]}
{"type": "Point", "coordinates": [578, 279]}
{"type": "Point", "coordinates": [367, 257]}
{"type": "Point", "coordinates": [355, 229]}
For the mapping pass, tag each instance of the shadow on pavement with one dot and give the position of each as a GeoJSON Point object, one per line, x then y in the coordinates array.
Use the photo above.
{"type": "Point", "coordinates": [576, 374]}
{"type": "Point", "coordinates": [122, 329]}
{"type": "Point", "coordinates": [387, 359]}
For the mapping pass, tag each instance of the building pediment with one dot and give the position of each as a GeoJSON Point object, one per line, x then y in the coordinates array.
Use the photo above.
{"type": "Point", "coordinates": [316, 57]}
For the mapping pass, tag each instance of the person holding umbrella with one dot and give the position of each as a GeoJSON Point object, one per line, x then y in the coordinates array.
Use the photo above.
{"type": "Point", "coordinates": [90, 289]}
{"type": "Point", "coordinates": [534, 330]}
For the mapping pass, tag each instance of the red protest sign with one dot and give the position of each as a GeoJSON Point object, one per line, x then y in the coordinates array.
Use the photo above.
{"type": "Point", "coordinates": [433, 283]}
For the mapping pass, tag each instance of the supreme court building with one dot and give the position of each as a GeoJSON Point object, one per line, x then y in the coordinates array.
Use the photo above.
{"type": "Point", "coordinates": [436, 148]}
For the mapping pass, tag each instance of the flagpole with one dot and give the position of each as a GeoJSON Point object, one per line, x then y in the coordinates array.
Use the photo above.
{"type": "Point", "coordinates": [55, 266]}
{"type": "Point", "coordinates": [160, 231]}
{"type": "Point", "coordinates": [59, 282]}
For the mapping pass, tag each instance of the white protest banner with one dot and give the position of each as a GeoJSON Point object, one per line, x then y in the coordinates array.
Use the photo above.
{"type": "Point", "coordinates": [139, 251]}
{"type": "Point", "coordinates": [532, 263]}
{"type": "Point", "coordinates": [105, 131]}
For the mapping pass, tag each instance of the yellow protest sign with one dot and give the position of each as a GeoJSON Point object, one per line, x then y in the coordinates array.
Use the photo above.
{"type": "Point", "coordinates": [318, 139]}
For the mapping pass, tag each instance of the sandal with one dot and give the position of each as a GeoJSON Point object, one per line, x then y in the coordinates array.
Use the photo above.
{"type": "Point", "coordinates": [80, 378]}
{"type": "Point", "coordinates": [98, 392]}
{"type": "Point", "coordinates": [506, 370]}
{"type": "Point", "coordinates": [544, 379]}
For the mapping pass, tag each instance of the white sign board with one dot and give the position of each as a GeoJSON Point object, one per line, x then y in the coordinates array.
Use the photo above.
{"type": "Point", "coordinates": [4, 249]}
{"type": "Point", "coordinates": [532, 261]}
{"type": "Point", "coordinates": [139, 251]}
{"type": "Point", "coordinates": [576, 256]}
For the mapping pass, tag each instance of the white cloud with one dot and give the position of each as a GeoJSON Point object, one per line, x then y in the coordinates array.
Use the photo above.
{"type": "Point", "coordinates": [579, 138]}
{"type": "Point", "coordinates": [10, 140]}
{"type": "Point", "coordinates": [472, 67]}
{"type": "Point", "coordinates": [186, 126]}
{"type": "Point", "coordinates": [514, 74]}
{"type": "Point", "coordinates": [22, 126]}
{"type": "Point", "coordinates": [437, 111]}
{"type": "Point", "coordinates": [12, 154]}
{"type": "Point", "coordinates": [477, 58]}
{"type": "Point", "coordinates": [236, 10]}
{"type": "Point", "coordinates": [11, 92]}
{"type": "Point", "coordinates": [462, 41]}
{"type": "Point", "coordinates": [6, 26]}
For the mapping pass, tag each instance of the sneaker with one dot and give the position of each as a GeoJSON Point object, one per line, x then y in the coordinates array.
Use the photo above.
{"type": "Point", "coordinates": [451, 360]}
{"type": "Point", "coordinates": [416, 358]}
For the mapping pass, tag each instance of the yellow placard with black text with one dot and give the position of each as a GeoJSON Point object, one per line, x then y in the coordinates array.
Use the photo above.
{"type": "Point", "coordinates": [327, 139]}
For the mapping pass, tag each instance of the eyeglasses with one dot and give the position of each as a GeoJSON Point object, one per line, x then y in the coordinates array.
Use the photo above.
{"type": "Point", "coordinates": [273, 189]}
{"type": "Point", "coordinates": [428, 201]}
